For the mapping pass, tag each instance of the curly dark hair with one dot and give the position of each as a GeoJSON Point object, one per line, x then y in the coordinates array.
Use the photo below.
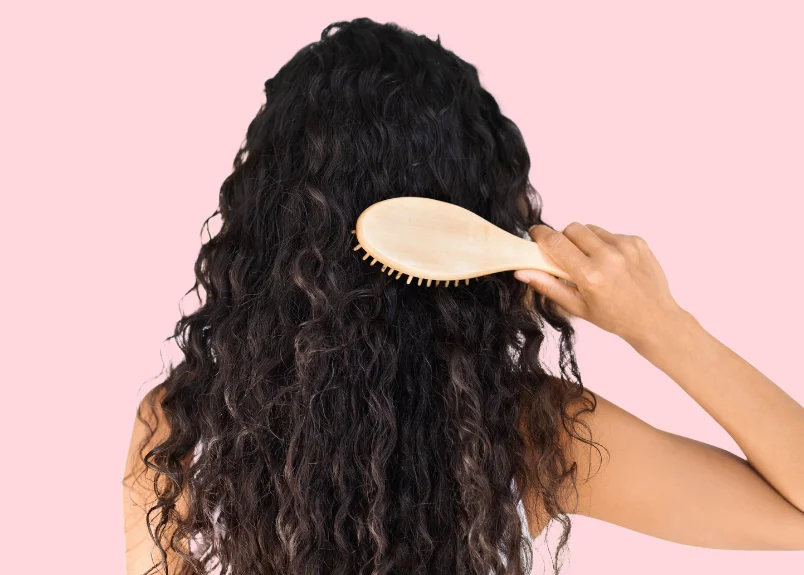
{"type": "Point", "coordinates": [328, 418]}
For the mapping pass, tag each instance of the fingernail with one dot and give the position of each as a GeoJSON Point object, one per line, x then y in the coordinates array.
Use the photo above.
{"type": "Point", "coordinates": [522, 276]}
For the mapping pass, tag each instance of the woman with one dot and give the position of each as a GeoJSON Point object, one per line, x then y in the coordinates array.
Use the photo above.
{"type": "Point", "coordinates": [327, 418]}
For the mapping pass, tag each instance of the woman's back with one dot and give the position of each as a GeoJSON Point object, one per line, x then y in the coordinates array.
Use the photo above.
{"type": "Point", "coordinates": [351, 422]}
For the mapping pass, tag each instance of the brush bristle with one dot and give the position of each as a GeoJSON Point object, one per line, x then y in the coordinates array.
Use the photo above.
{"type": "Point", "coordinates": [411, 277]}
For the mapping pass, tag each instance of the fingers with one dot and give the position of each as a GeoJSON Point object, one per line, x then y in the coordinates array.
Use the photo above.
{"type": "Point", "coordinates": [586, 239]}
{"type": "Point", "coordinates": [627, 244]}
{"type": "Point", "coordinates": [562, 249]}
{"type": "Point", "coordinates": [553, 288]}
{"type": "Point", "coordinates": [604, 235]}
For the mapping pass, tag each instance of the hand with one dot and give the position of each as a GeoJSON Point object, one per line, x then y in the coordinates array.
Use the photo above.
{"type": "Point", "coordinates": [619, 285]}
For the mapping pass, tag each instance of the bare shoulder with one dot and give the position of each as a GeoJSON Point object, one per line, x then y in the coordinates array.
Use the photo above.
{"type": "Point", "coordinates": [672, 487]}
{"type": "Point", "coordinates": [149, 428]}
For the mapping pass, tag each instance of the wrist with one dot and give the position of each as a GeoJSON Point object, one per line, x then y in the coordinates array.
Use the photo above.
{"type": "Point", "coordinates": [673, 328]}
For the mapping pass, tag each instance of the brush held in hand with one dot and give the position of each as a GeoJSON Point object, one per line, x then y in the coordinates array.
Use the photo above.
{"type": "Point", "coordinates": [431, 240]}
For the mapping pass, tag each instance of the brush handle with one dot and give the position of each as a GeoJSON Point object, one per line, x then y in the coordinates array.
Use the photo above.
{"type": "Point", "coordinates": [517, 253]}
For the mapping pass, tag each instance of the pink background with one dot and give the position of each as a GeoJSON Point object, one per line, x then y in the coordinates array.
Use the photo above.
{"type": "Point", "coordinates": [681, 122]}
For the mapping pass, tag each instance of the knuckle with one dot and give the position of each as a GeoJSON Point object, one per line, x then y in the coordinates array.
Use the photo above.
{"type": "Point", "coordinates": [595, 277]}
{"type": "Point", "coordinates": [552, 239]}
{"type": "Point", "coordinates": [639, 242]}
{"type": "Point", "coordinates": [617, 256]}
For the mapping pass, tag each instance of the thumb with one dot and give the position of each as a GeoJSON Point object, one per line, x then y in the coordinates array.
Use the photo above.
{"type": "Point", "coordinates": [553, 288]}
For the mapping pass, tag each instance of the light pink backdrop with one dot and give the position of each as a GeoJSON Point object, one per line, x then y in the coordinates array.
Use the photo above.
{"type": "Point", "coordinates": [681, 122]}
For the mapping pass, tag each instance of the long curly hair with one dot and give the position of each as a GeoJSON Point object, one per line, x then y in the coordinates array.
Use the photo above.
{"type": "Point", "coordinates": [328, 418]}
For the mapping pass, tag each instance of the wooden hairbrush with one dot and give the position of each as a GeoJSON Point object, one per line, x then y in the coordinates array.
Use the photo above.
{"type": "Point", "coordinates": [431, 240]}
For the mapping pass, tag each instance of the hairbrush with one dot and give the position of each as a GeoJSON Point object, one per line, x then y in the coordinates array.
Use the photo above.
{"type": "Point", "coordinates": [434, 241]}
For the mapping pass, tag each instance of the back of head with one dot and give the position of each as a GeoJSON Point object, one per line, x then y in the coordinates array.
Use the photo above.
{"type": "Point", "coordinates": [328, 418]}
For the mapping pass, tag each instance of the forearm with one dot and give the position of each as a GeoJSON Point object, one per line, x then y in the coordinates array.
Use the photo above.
{"type": "Point", "coordinates": [763, 420]}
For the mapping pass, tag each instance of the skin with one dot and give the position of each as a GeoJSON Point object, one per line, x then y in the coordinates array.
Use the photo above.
{"type": "Point", "coordinates": [138, 496]}
{"type": "Point", "coordinates": [651, 481]}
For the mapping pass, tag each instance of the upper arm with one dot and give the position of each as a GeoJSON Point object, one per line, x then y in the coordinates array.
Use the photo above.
{"type": "Point", "coordinates": [675, 488]}
{"type": "Point", "coordinates": [138, 490]}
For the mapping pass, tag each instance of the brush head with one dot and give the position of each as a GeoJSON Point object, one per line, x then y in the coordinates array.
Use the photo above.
{"type": "Point", "coordinates": [434, 241]}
